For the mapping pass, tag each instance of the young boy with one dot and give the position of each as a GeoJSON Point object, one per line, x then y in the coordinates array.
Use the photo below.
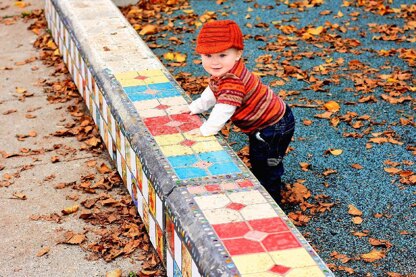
{"type": "Point", "coordinates": [237, 94]}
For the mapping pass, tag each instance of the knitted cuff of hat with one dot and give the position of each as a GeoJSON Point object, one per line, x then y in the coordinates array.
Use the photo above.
{"type": "Point", "coordinates": [217, 36]}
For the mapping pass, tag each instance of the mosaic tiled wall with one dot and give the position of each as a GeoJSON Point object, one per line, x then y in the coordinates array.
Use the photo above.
{"type": "Point", "coordinates": [205, 213]}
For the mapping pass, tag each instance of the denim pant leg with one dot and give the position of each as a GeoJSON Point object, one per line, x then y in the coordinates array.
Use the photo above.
{"type": "Point", "coordinates": [266, 153]}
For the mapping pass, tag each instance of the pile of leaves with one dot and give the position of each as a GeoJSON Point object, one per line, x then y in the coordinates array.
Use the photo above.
{"type": "Point", "coordinates": [112, 226]}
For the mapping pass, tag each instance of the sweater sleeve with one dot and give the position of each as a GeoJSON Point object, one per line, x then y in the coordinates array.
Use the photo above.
{"type": "Point", "coordinates": [203, 103]}
{"type": "Point", "coordinates": [220, 114]}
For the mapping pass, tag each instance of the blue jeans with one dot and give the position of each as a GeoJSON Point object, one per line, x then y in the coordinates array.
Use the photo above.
{"type": "Point", "coordinates": [267, 149]}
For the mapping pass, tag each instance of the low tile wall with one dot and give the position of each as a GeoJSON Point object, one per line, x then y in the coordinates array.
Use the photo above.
{"type": "Point", "coordinates": [204, 211]}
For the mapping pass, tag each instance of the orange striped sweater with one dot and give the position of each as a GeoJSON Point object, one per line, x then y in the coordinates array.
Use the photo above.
{"type": "Point", "coordinates": [257, 106]}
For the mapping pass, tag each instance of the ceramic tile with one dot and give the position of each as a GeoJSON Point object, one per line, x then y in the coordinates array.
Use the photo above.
{"type": "Point", "coordinates": [146, 104]}
{"type": "Point", "coordinates": [173, 101]}
{"type": "Point", "coordinates": [212, 201]}
{"type": "Point", "coordinates": [296, 257]}
{"type": "Point", "coordinates": [312, 271]}
{"type": "Point", "coordinates": [219, 216]}
{"type": "Point", "coordinates": [253, 263]}
{"type": "Point", "coordinates": [280, 269]}
{"type": "Point", "coordinates": [151, 113]}
{"type": "Point", "coordinates": [169, 139]}
{"type": "Point", "coordinates": [169, 264]}
{"type": "Point", "coordinates": [269, 225]}
{"type": "Point", "coordinates": [248, 197]}
{"type": "Point", "coordinates": [241, 246]}
{"type": "Point", "coordinates": [175, 150]}
{"type": "Point", "coordinates": [280, 241]}
{"type": "Point", "coordinates": [231, 230]}
{"type": "Point", "coordinates": [186, 173]}
{"type": "Point", "coordinates": [206, 146]}
{"type": "Point", "coordinates": [186, 262]}
{"type": "Point", "coordinates": [260, 274]}
{"type": "Point", "coordinates": [258, 211]}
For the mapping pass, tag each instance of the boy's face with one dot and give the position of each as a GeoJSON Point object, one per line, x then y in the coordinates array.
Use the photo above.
{"type": "Point", "coordinates": [218, 64]}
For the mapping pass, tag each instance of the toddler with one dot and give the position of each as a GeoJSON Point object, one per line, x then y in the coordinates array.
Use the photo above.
{"type": "Point", "coordinates": [237, 94]}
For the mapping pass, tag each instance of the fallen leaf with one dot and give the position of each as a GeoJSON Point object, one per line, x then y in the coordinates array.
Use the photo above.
{"type": "Point", "coordinates": [332, 106]}
{"type": "Point", "coordinates": [19, 195]}
{"type": "Point", "coordinates": [373, 255]}
{"type": "Point", "coordinates": [43, 251]}
{"type": "Point", "coordinates": [336, 152]}
{"type": "Point", "coordinates": [357, 220]}
{"type": "Point", "coordinates": [353, 210]}
{"type": "Point", "coordinates": [70, 210]}
{"type": "Point", "coordinates": [148, 30]}
{"type": "Point", "coordinates": [114, 273]}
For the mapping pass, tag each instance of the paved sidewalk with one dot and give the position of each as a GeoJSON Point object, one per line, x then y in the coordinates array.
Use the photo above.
{"type": "Point", "coordinates": [41, 162]}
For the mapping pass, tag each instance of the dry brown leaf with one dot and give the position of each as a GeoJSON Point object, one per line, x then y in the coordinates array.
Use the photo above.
{"type": "Point", "coordinates": [373, 255]}
{"type": "Point", "coordinates": [352, 210]}
{"type": "Point", "coordinates": [114, 273]}
{"type": "Point", "coordinates": [357, 220]}
{"type": "Point", "coordinates": [148, 30]}
{"type": "Point", "coordinates": [43, 251]}
{"type": "Point", "coordinates": [76, 239]}
{"type": "Point", "coordinates": [70, 210]}
{"type": "Point", "coordinates": [332, 106]}
{"type": "Point", "coordinates": [19, 195]}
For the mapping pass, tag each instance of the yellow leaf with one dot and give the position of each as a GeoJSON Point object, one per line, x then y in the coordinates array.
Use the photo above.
{"type": "Point", "coordinates": [169, 56]}
{"type": "Point", "coordinates": [148, 30]}
{"type": "Point", "coordinates": [340, 14]}
{"type": "Point", "coordinates": [332, 106]}
{"type": "Point", "coordinates": [188, 11]}
{"type": "Point", "coordinates": [315, 31]}
{"type": "Point", "coordinates": [51, 44]}
{"type": "Point", "coordinates": [180, 57]}
{"type": "Point", "coordinates": [336, 152]}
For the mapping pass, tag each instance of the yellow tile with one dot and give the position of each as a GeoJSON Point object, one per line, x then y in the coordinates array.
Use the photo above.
{"type": "Point", "coordinates": [176, 150]}
{"type": "Point", "coordinates": [151, 113]}
{"type": "Point", "coordinates": [131, 82]}
{"type": "Point", "coordinates": [312, 271]}
{"type": "Point", "coordinates": [298, 257]}
{"type": "Point", "coordinates": [126, 79]}
{"type": "Point", "coordinates": [212, 201]}
{"type": "Point", "coordinates": [169, 139]}
{"type": "Point", "coordinates": [157, 80]}
{"type": "Point", "coordinates": [260, 274]}
{"type": "Point", "coordinates": [207, 146]}
{"type": "Point", "coordinates": [146, 104]}
{"type": "Point", "coordinates": [198, 137]}
{"type": "Point", "coordinates": [253, 263]}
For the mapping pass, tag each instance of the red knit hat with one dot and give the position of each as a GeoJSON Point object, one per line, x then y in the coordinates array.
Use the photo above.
{"type": "Point", "coordinates": [217, 36]}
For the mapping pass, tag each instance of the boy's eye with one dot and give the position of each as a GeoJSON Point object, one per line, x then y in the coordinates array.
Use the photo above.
{"type": "Point", "coordinates": [223, 55]}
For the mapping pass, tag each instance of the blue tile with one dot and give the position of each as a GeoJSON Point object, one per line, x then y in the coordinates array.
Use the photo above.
{"type": "Point", "coordinates": [224, 168]}
{"type": "Point", "coordinates": [162, 86]}
{"type": "Point", "coordinates": [176, 270]}
{"type": "Point", "coordinates": [182, 161]}
{"type": "Point", "coordinates": [216, 157]}
{"type": "Point", "coordinates": [190, 172]}
{"type": "Point", "coordinates": [134, 89]}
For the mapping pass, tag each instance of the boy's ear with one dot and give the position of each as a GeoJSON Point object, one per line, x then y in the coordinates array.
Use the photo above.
{"type": "Point", "coordinates": [239, 54]}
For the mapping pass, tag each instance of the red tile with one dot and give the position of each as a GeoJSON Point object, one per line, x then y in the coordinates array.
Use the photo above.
{"type": "Point", "coordinates": [213, 188]}
{"type": "Point", "coordinates": [157, 126]}
{"type": "Point", "coordinates": [269, 225]}
{"type": "Point", "coordinates": [231, 230]}
{"type": "Point", "coordinates": [245, 183]}
{"type": "Point", "coordinates": [190, 122]}
{"type": "Point", "coordinates": [242, 246]}
{"type": "Point", "coordinates": [235, 206]}
{"type": "Point", "coordinates": [139, 77]}
{"type": "Point", "coordinates": [279, 269]}
{"type": "Point", "coordinates": [280, 241]}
